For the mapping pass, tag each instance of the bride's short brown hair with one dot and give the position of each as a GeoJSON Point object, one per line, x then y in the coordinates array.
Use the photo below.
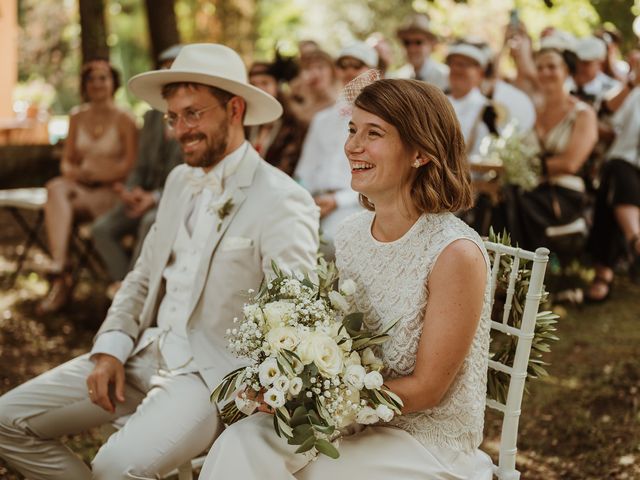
{"type": "Point", "coordinates": [426, 122]}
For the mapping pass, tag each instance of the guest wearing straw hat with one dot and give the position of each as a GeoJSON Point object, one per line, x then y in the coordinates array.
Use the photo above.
{"type": "Point", "coordinates": [225, 215]}
{"type": "Point", "coordinates": [419, 40]}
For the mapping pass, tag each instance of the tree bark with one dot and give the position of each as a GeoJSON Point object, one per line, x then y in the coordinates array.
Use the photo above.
{"type": "Point", "coordinates": [163, 26]}
{"type": "Point", "coordinates": [94, 30]}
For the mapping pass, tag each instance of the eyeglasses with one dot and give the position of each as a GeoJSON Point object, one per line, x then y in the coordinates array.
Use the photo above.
{"type": "Point", "coordinates": [345, 64]}
{"type": "Point", "coordinates": [418, 42]}
{"type": "Point", "coordinates": [191, 118]}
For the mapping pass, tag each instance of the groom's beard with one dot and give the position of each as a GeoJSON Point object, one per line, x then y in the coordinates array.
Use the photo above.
{"type": "Point", "coordinates": [216, 147]}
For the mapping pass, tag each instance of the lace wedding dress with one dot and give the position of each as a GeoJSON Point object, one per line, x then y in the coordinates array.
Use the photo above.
{"type": "Point", "coordinates": [439, 443]}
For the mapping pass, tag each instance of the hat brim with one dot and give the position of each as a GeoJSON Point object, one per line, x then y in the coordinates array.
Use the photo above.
{"type": "Point", "coordinates": [401, 32]}
{"type": "Point", "coordinates": [261, 107]}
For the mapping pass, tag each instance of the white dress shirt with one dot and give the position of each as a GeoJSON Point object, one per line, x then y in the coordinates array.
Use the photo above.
{"type": "Point", "coordinates": [192, 233]}
{"type": "Point", "coordinates": [469, 110]}
{"type": "Point", "coordinates": [431, 71]}
{"type": "Point", "coordinates": [626, 122]}
{"type": "Point", "coordinates": [323, 166]}
{"type": "Point", "coordinates": [517, 103]}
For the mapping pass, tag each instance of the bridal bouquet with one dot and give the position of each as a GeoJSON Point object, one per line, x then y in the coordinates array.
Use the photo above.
{"type": "Point", "coordinates": [517, 156]}
{"type": "Point", "coordinates": [311, 361]}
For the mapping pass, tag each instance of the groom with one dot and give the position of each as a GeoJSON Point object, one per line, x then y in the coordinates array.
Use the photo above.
{"type": "Point", "coordinates": [224, 216]}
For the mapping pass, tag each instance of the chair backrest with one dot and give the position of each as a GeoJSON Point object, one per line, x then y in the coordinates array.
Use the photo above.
{"type": "Point", "coordinates": [506, 266]}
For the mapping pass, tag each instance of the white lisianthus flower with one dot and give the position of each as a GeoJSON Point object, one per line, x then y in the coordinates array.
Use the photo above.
{"type": "Point", "coordinates": [268, 372]}
{"type": "Point", "coordinates": [354, 376]}
{"type": "Point", "coordinates": [367, 416]}
{"type": "Point", "coordinates": [297, 366]}
{"type": "Point", "coordinates": [373, 380]}
{"type": "Point", "coordinates": [370, 359]}
{"type": "Point", "coordinates": [348, 287]}
{"type": "Point", "coordinates": [352, 359]}
{"type": "Point", "coordinates": [246, 405]}
{"type": "Point", "coordinates": [281, 383]}
{"type": "Point", "coordinates": [338, 302]}
{"type": "Point", "coordinates": [274, 398]}
{"type": "Point", "coordinates": [384, 412]}
{"type": "Point", "coordinates": [295, 386]}
{"type": "Point", "coordinates": [280, 338]}
{"type": "Point", "coordinates": [322, 350]}
{"type": "Point", "coordinates": [278, 313]}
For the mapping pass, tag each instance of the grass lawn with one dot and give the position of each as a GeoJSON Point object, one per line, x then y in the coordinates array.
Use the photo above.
{"type": "Point", "coordinates": [581, 422]}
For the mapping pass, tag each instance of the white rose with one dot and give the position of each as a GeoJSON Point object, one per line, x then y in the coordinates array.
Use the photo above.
{"type": "Point", "coordinates": [373, 380]}
{"type": "Point", "coordinates": [246, 405]}
{"type": "Point", "coordinates": [384, 412]}
{"type": "Point", "coordinates": [354, 376]}
{"type": "Point", "coordinates": [322, 350]}
{"type": "Point", "coordinates": [268, 371]}
{"type": "Point", "coordinates": [280, 338]}
{"type": "Point", "coordinates": [295, 386]}
{"type": "Point", "coordinates": [338, 302]}
{"type": "Point", "coordinates": [274, 398]}
{"type": "Point", "coordinates": [353, 359]}
{"type": "Point", "coordinates": [281, 383]}
{"type": "Point", "coordinates": [348, 287]}
{"type": "Point", "coordinates": [367, 416]}
{"type": "Point", "coordinates": [369, 358]}
{"type": "Point", "coordinates": [279, 312]}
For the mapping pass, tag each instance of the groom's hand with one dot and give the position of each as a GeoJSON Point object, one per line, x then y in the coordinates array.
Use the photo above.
{"type": "Point", "coordinates": [108, 370]}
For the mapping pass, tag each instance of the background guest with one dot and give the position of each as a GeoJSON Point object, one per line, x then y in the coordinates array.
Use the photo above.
{"type": "Point", "coordinates": [158, 153]}
{"type": "Point", "coordinates": [419, 41]}
{"type": "Point", "coordinates": [279, 142]}
{"type": "Point", "coordinates": [99, 152]}
{"type": "Point", "coordinates": [323, 168]}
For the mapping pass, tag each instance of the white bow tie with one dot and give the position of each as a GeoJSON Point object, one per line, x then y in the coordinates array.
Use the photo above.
{"type": "Point", "coordinates": [199, 182]}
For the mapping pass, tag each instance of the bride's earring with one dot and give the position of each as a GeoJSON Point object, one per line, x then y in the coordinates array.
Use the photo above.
{"type": "Point", "coordinates": [417, 163]}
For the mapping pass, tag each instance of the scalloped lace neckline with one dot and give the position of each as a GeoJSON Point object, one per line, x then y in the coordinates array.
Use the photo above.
{"type": "Point", "coordinates": [403, 238]}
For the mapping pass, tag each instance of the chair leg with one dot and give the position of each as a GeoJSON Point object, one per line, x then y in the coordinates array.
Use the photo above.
{"type": "Point", "coordinates": [32, 238]}
{"type": "Point", "coordinates": [185, 471]}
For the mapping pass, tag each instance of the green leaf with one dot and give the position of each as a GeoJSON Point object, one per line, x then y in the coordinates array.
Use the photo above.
{"type": "Point", "coordinates": [307, 445]}
{"type": "Point", "coordinates": [353, 322]}
{"type": "Point", "coordinates": [326, 448]}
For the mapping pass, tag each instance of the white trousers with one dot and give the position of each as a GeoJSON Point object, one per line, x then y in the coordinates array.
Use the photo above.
{"type": "Point", "coordinates": [171, 422]}
{"type": "Point", "coordinates": [250, 450]}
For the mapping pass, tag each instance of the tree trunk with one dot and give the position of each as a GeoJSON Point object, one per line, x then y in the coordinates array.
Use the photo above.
{"type": "Point", "coordinates": [163, 26]}
{"type": "Point", "coordinates": [94, 30]}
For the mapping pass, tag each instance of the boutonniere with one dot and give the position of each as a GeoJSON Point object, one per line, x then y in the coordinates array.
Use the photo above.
{"type": "Point", "coordinates": [223, 211]}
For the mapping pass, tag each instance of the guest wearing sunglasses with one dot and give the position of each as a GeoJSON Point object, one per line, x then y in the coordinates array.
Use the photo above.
{"type": "Point", "coordinates": [419, 40]}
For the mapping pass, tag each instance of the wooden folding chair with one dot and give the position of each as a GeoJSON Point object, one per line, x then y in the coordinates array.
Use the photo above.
{"type": "Point", "coordinates": [16, 201]}
{"type": "Point", "coordinates": [524, 333]}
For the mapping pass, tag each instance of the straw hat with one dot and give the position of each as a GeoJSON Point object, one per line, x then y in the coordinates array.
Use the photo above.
{"type": "Point", "coordinates": [213, 65]}
{"type": "Point", "coordinates": [416, 23]}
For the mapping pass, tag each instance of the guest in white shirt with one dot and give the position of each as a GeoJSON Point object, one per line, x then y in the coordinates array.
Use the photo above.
{"type": "Point", "coordinates": [419, 40]}
{"type": "Point", "coordinates": [467, 63]}
{"type": "Point", "coordinates": [225, 215]}
{"type": "Point", "coordinates": [589, 83]}
{"type": "Point", "coordinates": [323, 168]}
{"type": "Point", "coordinates": [616, 222]}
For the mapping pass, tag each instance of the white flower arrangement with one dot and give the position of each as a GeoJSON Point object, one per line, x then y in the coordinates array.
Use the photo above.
{"type": "Point", "coordinates": [517, 156]}
{"type": "Point", "coordinates": [311, 360]}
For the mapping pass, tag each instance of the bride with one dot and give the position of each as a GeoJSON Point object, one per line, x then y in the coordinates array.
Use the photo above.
{"type": "Point", "coordinates": [411, 259]}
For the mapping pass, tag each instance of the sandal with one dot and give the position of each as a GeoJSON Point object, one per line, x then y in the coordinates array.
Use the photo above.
{"type": "Point", "coordinates": [58, 296]}
{"type": "Point", "coordinates": [601, 284]}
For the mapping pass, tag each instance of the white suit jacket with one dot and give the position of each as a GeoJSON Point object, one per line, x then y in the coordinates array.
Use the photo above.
{"type": "Point", "coordinates": [272, 218]}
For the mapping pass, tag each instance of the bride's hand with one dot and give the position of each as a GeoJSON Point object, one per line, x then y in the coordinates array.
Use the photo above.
{"type": "Point", "coordinates": [259, 399]}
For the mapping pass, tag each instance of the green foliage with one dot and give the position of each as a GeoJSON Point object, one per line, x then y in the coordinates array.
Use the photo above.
{"type": "Point", "coordinates": [503, 348]}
